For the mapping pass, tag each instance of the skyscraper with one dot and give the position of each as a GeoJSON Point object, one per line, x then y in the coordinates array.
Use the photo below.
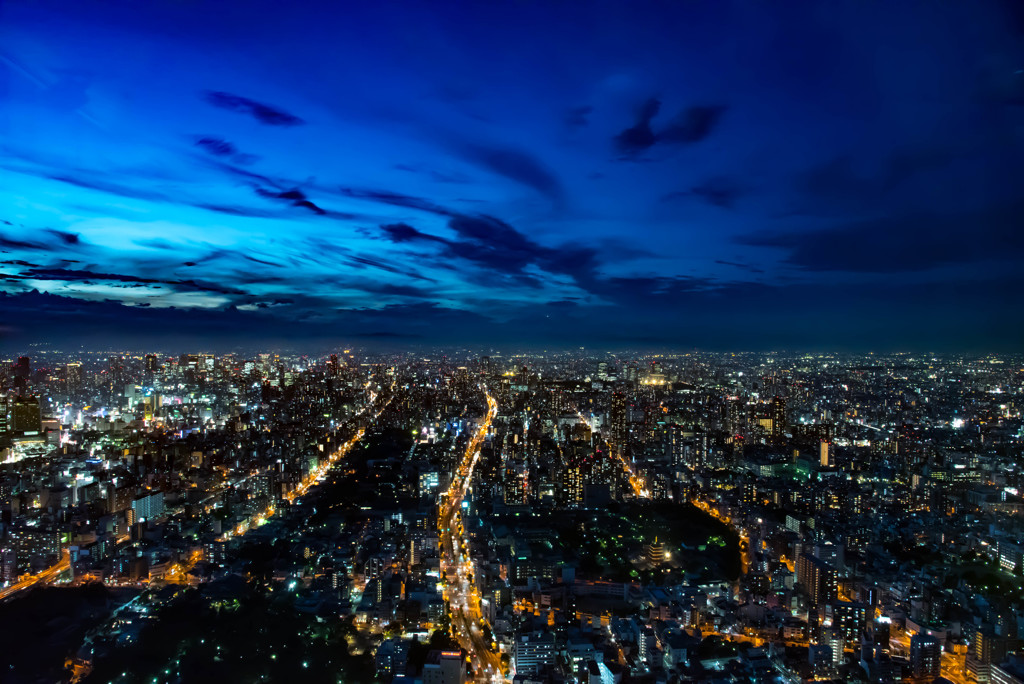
{"type": "Point", "coordinates": [25, 415]}
{"type": "Point", "coordinates": [925, 655]}
{"type": "Point", "coordinates": [618, 421]}
{"type": "Point", "coordinates": [22, 367]}
{"type": "Point", "coordinates": [73, 376]}
{"type": "Point", "coordinates": [778, 416]}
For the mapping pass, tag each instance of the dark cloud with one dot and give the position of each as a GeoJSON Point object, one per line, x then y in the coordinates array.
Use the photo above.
{"type": "Point", "coordinates": [261, 261]}
{"type": "Point", "coordinates": [640, 136]}
{"type": "Point", "coordinates": [516, 165]}
{"type": "Point", "coordinates": [402, 232]}
{"type": "Point", "coordinates": [910, 243]}
{"type": "Point", "coordinates": [362, 261]}
{"type": "Point", "coordinates": [64, 236]}
{"type": "Point", "coordinates": [219, 147]}
{"type": "Point", "coordinates": [11, 243]}
{"type": "Point", "coordinates": [396, 200]}
{"type": "Point", "coordinates": [94, 182]}
{"type": "Point", "coordinates": [435, 175]}
{"type": "Point", "coordinates": [578, 117]}
{"type": "Point", "coordinates": [296, 198]}
{"type": "Point", "coordinates": [692, 125]}
{"type": "Point", "coordinates": [236, 210]}
{"type": "Point", "coordinates": [740, 265]}
{"type": "Point", "coordinates": [719, 192]}
{"type": "Point", "coordinates": [396, 290]}
{"type": "Point", "coordinates": [261, 112]}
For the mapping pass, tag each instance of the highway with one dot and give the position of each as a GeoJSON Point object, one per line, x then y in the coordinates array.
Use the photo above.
{"type": "Point", "coordinates": [460, 592]}
{"type": "Point", "coordinates": [45, 577]}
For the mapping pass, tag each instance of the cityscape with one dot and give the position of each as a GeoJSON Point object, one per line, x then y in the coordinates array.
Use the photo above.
{"type": "Point", "coordinates": [537, 517]}
{"type": "Point", "coordinates": [511, 342]}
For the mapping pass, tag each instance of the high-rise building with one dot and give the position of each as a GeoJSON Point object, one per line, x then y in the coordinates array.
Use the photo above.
{"type": "Point", "coordinates": [617, 418]}
{"type": "Point", "coordinates": [531, 652]}
{"type": "Point", "coordinates": [850, 618]}
{"type": "Point", "coordinates": [819, 579]}
{"type": "Point", "coordinates": [925, 656]}
{"type": "Point", "coordinates": [26, 415]}
{"type": "Point", "coordinates": [23, 367]}
{"type": "Point", "coordinates": [517, 483]}
{"type": "Point", "coordinates": [73, 376]}
{"type": "Point", "coordinates": [152, 365]}
{"type": "Point", "coordinates": [826, 454]}
{"type": "Point", "coordinates": [778, 416]}
{"type": "Point", "coordinates": [5, 421]}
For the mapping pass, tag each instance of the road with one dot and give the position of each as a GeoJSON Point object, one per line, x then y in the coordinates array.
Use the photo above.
{"type": "Point", "coordinates": [45, 577]}
{"type": "Point", "coordinates": [460, 592]}
{"type": "Point", "coordinates": [635, 482]}
{"type": "Point", "coordinates": [953, 666]}
{"type": "Point", "coordinates": [314, 476]}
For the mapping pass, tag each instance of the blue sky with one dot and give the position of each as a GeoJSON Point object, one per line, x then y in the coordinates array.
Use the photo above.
{"type": "Point", "coordinates": [728, 174]}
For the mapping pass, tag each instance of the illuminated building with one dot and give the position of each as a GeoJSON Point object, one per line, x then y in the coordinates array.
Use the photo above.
{"type": "Point", "coordinates": [517, 483]}
{"type": "Point", "coordinates": [5, 423]}
{"type": "Point", "coordinates": [849, 618]}
{"type": "Point", "coordinates": [391, 658]}
{"type": "Point", "coordinates": [444, 667]}
{"type": "Point", "coordinates": [925, 655]}
{"type": "Point", "coordinates": [817, 577]}
{"type": "Point", "coordinates": [617, 418]}
{"type": "Point", "coordinates": [531, 652]}
{"type": "Point", "coordinates": [148, 506]}
{"type": "Point", "coordinates": [26, 415]}
{"type": "Point", "coordinates": [826, 457]}
{"type": "Point", "coordinates": [655, 552]}
{"type": "Point", "coordinates": [778, 417]}
{"type": "Point", "coordinates": [73, 376]}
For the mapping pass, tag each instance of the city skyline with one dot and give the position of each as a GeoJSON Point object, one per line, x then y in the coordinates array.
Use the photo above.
{"type": "Point", "coordinates": [727, 176]}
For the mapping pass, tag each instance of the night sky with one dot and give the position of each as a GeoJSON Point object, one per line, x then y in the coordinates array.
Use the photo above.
{"type": "Point", "coordinates": [740, 175]}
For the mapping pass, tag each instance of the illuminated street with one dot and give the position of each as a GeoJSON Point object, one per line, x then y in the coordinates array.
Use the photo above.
{"type": "Point", "coordinates": [47, 576]}
{"type": "Point", "coordinates": [460, 592]}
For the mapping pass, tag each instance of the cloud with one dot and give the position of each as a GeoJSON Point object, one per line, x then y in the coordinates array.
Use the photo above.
{"type": "Point", "coordinates": [578, 117]}
{"type": "Point", "coordinates": [640, 136]}
{"type": "Point", "coordinates": [263, 113]}
{"type": "Point", "coordinates": [516, 165]}
{"type": "Point", "coordinates": [719, 192]}
{"type": "Point", "coordinates": [295, 196]}
{"type": "Point", "coordinates": [434, 175]}
{"type": "Point", "coordinates": [84, 276]}
{"type": "Point", "coordinates": [693, 124]}
{"type": "Point", "coordinates": [402, 232]}
{"type": "Point", "coordinates": [740, 265]}
{"type": "Point", "coordinates": [690, 126]}
{"type": "Point", "coordinates": [908, 243]}
{"type": "Point", "coordinates": [218, 147]}
{"type": "Point", "coordinates": [396, 200]}
{"type": "Point", "coordinates": [11, 243]}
